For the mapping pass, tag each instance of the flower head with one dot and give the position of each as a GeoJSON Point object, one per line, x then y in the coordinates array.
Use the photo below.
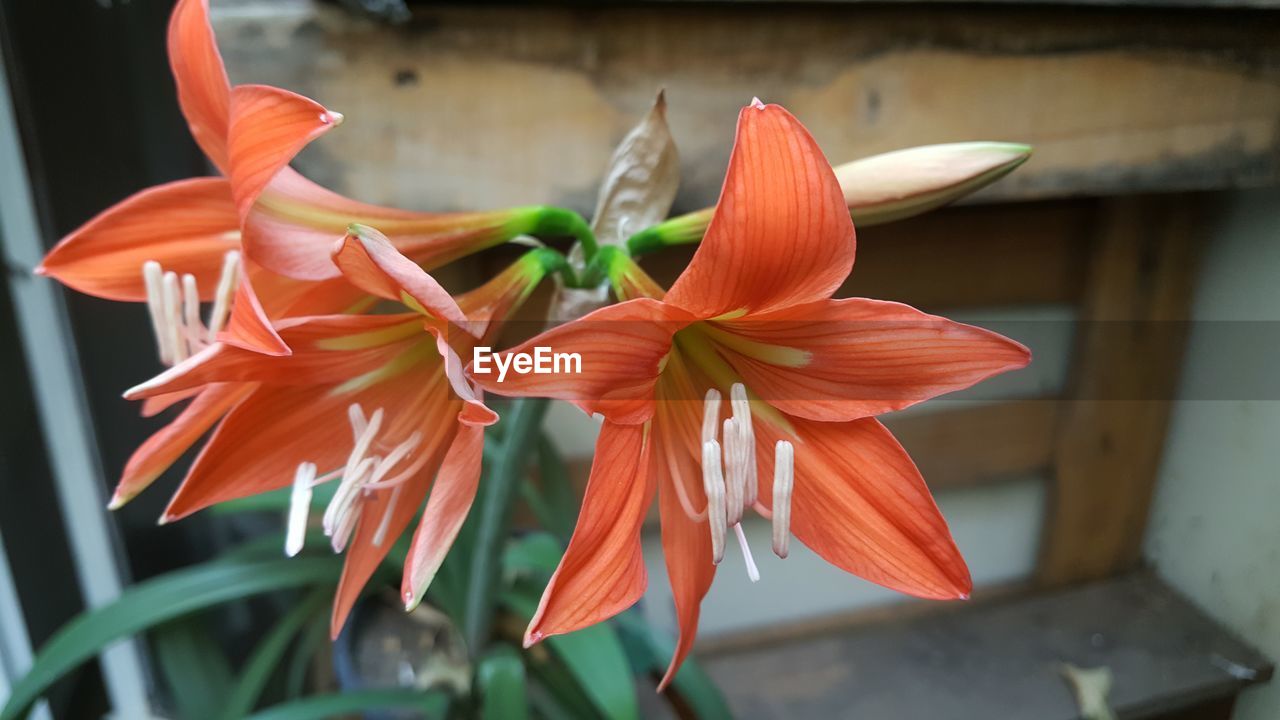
{"type": "Point", "coordinates": [752, 320]}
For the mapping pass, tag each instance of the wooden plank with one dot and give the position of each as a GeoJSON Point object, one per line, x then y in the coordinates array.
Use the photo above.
{"type": "Point", "coordinates": [978, 445]}
{"type": "Point", "coordinates": [1000, 660]}
{"type": "Point", "coordinates": [1130, 343]}
{"type": "Point", "coordinates": [492, 106]}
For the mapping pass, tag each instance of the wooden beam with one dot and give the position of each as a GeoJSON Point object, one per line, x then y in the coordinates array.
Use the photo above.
{"type": "Point", "coordinates": [1130, 342]}
{"type": "Point", "coordinates": [476, 107]}
{"type": "Point", "coordinates": [975, 446]}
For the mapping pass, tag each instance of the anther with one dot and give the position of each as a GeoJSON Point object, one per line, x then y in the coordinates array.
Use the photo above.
{"type": "Point", "coordinates": [735, 463]}
{"type": "Point", "coordinates": [713, 484]}
{"type": "Point", "coordinates": [783, 483]}
{"type": "Point", "coordinates": [710, 415]}
{"type": "Point", "coordinates": [299, 505]}
{"type": "Point", "coordinates": [742, 416]}
{"type": "Point", "coordinates": [173, 318]}
{"type": "Point", "coordinates": [227, 282]}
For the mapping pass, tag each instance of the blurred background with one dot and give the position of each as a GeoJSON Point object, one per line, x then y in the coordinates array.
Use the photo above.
{"type": "Point", "coordinates": [1116, 501]}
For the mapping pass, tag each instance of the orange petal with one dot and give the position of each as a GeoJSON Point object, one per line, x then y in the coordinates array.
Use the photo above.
{"type": "Point", "coordinates": [187, 226]}
{"type": "Point", "coordinates": [159, 451]}
{"type": "Point", "coordinates": [260, 443]}
{"type": "Point", "coordinates": [203, 89]}
{"type": "Point", "coordinates": [686, 543]}
{"type": "Point", "coordinates": [602, 573]}
{"type": "Point", "coordinates": [155, 405]}
{"type": "Point", "coordinates": [781, 234]}
{"type": "Point", "coordinates": [249, 327]}
{"type": "Point", "coordinates": [268, 127]}
{"type": "Point", "coordinates": [474, 412]}
{"type": "Point", "coordinates": [369, 261]}
{"type": "Point", "coordinates": [838, 360]}
{"type": "Point", "coordinates": [450, 500]}
{"type": "Point", "coordinates": [292, 228]}
{"type": "Point", "coordinates": [621, 349]}
{"type": "Point", "coordinates": [329, 349]}
{"type": "Point", "coordinates": [363, 554]}
{"type": "Point", "coordinates": [861, 504]}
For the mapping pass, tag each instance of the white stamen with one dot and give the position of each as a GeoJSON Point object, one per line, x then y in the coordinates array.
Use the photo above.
{"type": "Point", "coordinates": [710, 415]}
{"type": "Point", "coordinates": [227, 283]}
{"type": "Point", "coordinates": [174, 306]}
{"type": "Point", "coordinates": [713, 484]}
{"type": "Point", "coordinates": [753, 572]}
{"type": "Point", "coordinates": [742, 416]}
{"type": "Point", "coordinates": [381, 533]}
{"type": "Point", "coordinates": [783, 483]}
{"type": "Point", "coordinates": [153, 278]}
{"type": "Point", "coordinates": [735, 463]}
{"type": "Point", "coordinates": [299, 505]}
{"type": "Point", "coordinates": [375, 481]}
{"type": "Point", "coordinates": [191, 325]}
{"type": "Point", "coordinates": [173, 318]}
{"type": "Point", "coordinates": [355, 414]}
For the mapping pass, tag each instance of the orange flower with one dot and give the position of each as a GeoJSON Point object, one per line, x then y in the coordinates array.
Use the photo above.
{"type": "Point", "coordinates": [284, 419]}
{"type": "Point", "coordinates": [752, 319]}
{"type": "Point", "coordinates": [284, 223]}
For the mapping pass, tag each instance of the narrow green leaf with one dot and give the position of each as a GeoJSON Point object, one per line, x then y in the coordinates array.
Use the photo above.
{"type": "Point", "coordinates": [155, 601]}
{"type": "Point", "coordinates": [500, 685]}
{"type": "Point", "coordinates": [653, 650]}
{"type": "Point", "coordinates": [300, 661]}
{"type": "Point", "coordinates": [594, 656]}
{"type": "Point", "coordinates": [275, 501]}
{"type": "Point", "coordinates": [493, 516]}
{"type": "Point", "coordinates": [537, 554]}
{"type": "Point", "coordinates": [193, 665]}
{"type": "Point", "coordinates": [561, 499]}
{"type": "Point", "coordinates": [432, 704]}
{"type": "Point", "coordinates": [266, 657]}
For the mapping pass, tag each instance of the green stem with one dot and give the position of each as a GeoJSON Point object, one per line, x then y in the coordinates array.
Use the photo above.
{"type": "Point", "coordinates": [494, 502]}
{"type": "Point", "coordinates": [547, 220]}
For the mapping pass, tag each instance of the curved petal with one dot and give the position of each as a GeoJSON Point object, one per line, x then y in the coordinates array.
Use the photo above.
{"type": "Point", "coordinates": [447, 506]}
{"type": "Point", "coordinates": [159, 451]}
{"type": "Point", "coordinates": [781, 234]}
{"type": "Point", "coordinates": [187, 226]}
{"type": "Point", "coordinates": [621, 350]}
{"type": "Point", "coordinates": [602, 573]}
{"type": "Point", "coordinates": [268, 127]}
{"type": "Point", "coordinates": [474, 412]}
{"type": "Point", "coordinates": [364, 555]}
{"type": "Point", "coordinates": [839, 360]}
{"type": "Point", "coordinates": [197, 67]}
{"type": "Point", "coordinates": [260, 443]}
{"type": "Point", "coordinates": [686, 540]}
{"type": "Point", "coordinates": [249, 327]}
{"type": "Point", "coordinates": [860, 503]}
{"type": "Point", "coordinates": [157, 404]}
{"type": "Point", "coordinates": [328, 349]}
{"type": "Point", "coordinates": [369, 261]}
{"type": "Point", "coordinates": [293, 226]}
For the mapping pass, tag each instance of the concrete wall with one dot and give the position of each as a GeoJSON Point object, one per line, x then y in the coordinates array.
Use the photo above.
{"type": "Point", "coordinates": [1214, 531]}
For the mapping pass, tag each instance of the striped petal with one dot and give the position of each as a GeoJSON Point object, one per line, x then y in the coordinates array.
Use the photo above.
{"type": "Point", "coordinates": [781, 234]}
{"type": "Point", "coordinates": [187, 226]}
{"type": "Point", "coordinates": [370, 262]}
{"type": "Point", "coordinates": [602, 573]}
{"type": "Point", "coordinates": [203, 90]}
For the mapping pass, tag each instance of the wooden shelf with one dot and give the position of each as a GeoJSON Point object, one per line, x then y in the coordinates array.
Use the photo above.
{"type": "Point", "coordinates": [1001, 660]}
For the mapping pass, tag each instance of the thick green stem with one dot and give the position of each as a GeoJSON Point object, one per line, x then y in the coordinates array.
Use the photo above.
{"type": "Point", "coordinates": [494, 502]}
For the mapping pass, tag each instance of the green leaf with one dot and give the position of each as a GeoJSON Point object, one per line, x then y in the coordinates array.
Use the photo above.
{"type": "Point", "coordinates": [266, 657]}
{"type": "Point", "coordinates": [193, 665]}
{"type": "Point", "coordinates": [303, 652]}
{"type": "Point", "coordinates": [537, 554]}
{"type": "Point", "coordinates": [594, 656]}
{"type": "Point", "coordinates": [500, 685]}
{"type": "Point", "coordinates": [432, 704]}
{"type": "Point", "coordinates": [652, 650]}
{"type": "Point", "coordinates": [561, 499]}
{"type": "Point", "coordinates": [155, 601]}
{"type": "Point", "coordinates": [493, 516]}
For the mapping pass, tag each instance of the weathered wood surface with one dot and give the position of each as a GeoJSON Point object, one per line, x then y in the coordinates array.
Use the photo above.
{"type": "Point", "coordinates": [493, 106]}
{"type": "Point", "coordinates": [1125, 375]}
{"type": "Point", "coordinates": [1000, 660]}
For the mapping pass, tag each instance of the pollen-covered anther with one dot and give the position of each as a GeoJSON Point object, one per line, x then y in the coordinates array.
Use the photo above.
{"type": "Point", "coordinates": [713, 485]}
{"type": "Point", "coordinates": [173, 302]}
{"type": "Point", "coordinates": [729, 477]}
{"type": "Point", "coordinates": [784, 478]}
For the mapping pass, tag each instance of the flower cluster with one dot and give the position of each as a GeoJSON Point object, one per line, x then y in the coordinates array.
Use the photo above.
{"type": "Point", "coordinates": [303, 383]}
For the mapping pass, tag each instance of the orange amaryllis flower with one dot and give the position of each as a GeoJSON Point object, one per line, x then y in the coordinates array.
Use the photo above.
{"type": "Point", "coordinates": [752, 319]}
{"type": "Point", "coordinates": [284, 419]}
{"type": "Point", "coordinates": [188, 234]}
